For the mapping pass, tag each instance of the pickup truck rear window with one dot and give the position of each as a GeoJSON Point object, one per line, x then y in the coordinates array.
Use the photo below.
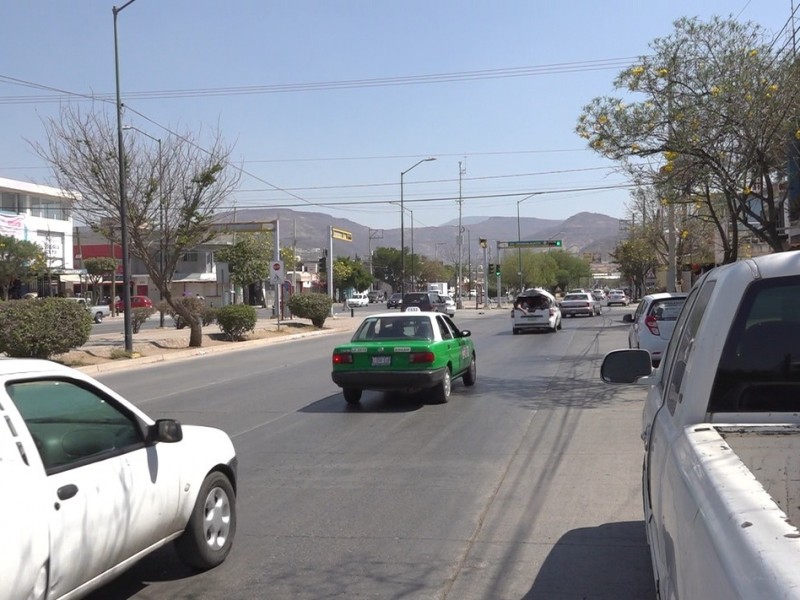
{"type": "Point", "coordinates": [760, 366]}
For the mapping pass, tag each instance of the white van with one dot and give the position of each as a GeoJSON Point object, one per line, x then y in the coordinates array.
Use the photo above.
{"type": "Point", "coordinates": [535, 309]}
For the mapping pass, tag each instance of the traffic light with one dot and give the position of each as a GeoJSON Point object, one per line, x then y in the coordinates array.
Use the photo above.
{"type": "Point", "coordinates": [323, 264]}
{"type": "Point", "coordinates": [555, 243]}
{"type": "Point", "coordinates": [491, 268]}
{"type": "Point", "coordinates": [497, 269]}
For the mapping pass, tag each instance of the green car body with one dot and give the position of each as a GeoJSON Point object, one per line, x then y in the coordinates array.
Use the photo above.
{"type": "Point", "coordinates": [407, 352]}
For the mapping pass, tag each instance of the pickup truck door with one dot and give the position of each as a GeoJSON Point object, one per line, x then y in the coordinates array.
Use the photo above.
{"type": "Point", "coordinates": [108, 494]}
{"type": "Point", "coordinates": [661, 497]}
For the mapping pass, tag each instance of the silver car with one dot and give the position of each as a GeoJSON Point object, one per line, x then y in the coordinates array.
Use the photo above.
{"type": "Point", "coordinates": [653, 322]}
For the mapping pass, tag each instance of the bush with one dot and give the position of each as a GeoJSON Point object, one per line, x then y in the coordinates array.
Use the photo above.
{"type": "Point", "coordinates": [139, 316]}
{"type": "Point", "coordinates": [236, 319]}
{"type": "Point", "coordinates": [42, 328]}
{"type": "Point", "coordinates": [316, 307]}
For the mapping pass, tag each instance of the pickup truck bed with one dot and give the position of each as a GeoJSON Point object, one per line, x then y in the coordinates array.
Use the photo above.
{"type": "Point", "coordinates": [772, 454]}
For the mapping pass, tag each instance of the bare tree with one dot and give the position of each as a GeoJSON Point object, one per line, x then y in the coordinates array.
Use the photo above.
{"type": "Point", "coordinates": [171, 196]}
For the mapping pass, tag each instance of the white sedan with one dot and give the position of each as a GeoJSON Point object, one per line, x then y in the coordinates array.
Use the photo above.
{"type": "Point", "coordinates": [93, 484]}
{"type": "Point", "coordinates": [357, 300]}
{"type": "Point", "coordinates": [449, 306]}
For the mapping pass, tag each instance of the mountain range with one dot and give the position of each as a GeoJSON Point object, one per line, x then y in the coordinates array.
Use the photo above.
{"type": "Point", "coordinates": [584, 233]}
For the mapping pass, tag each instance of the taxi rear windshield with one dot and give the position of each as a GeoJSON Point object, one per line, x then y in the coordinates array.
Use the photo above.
{"type": "Point", "coordinates": [533, 302]}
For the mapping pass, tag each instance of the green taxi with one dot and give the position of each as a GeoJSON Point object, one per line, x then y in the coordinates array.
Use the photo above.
{"type": "Point", "coordinates": [407, 352]}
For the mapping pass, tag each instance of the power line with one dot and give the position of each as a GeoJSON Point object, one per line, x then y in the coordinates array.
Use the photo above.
{"type": "Point", "coordinates": [482, 75]}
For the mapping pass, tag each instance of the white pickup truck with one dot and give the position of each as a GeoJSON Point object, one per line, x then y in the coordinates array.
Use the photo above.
{"type": "Point", "coordinates": [91, 484]}
{"type": "Point", "coordinates": [98, 311]}
{"type": "Point", "coordinates": [721, 429]}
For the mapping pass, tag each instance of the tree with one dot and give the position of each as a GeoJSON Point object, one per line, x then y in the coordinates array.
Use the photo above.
{"type": "Point", "coordinates": [718, 106]}
{"type": "Point", "coordinates": [19, 259]}
{"type": "Point", "coordinates": [350, 273]}
{"type": "Point", "coordinates": [636, 257]}
{"type": "Point", "coordinates": [96, 269]}
{"type": "Point", "coordinates": [171, 192]}
{"type": "Point", "coordinates": [386, 266]}
{"type": "Point", "coordinates": [249, 259]}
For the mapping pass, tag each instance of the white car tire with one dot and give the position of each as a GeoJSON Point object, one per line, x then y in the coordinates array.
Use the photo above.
{"type": "Point", "coordinates": [209, 534]}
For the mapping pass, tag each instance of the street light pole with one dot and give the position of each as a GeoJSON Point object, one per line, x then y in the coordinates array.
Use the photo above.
{"type": "Point", "coordinates": [160, 216]}
{"type": "Point", "coordinates": [413, 281]}
{"type": "Point", "coordinates": [402, 226]}
{"type": "Point", "coordinates": [519, 239]}
{"type": "Point", "coordinates": [123, 201]}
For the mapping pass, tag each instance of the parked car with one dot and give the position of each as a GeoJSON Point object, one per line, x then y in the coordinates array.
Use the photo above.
{"type": "Point", "coordinates": [449, 306]}
{"type": "Point", "coordinates": [136, 302]}
{"type": "Point", "coordinates": [581, 303]}
{"type": "Point", "coordinates": [599, 293]}
{"type": "Point", "coordinates": [535, 309]}
{"type": "Point", "coordinates": [357, 300]}
{"type": "Point", "coordinates": [721, 431]}
{"type": "Point", "coordinates": [653, 322]}
{"type": "Point", "coordinates": [426, 301]}
{"type": "Point", "coordinates": [376, 296]}
{"type": "Point", "coordinates": [411, 351]}
{"type": "Point", "coordinates": [395, 301]}
{"type": "Point", "coordinates": [93, 484]}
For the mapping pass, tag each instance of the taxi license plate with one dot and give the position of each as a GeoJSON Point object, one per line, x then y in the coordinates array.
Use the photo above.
{"type": "Point", "coordinates": [381, 361]}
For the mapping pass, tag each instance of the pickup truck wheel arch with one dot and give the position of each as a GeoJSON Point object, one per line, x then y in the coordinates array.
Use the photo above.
{"type": "Point", "coordinates": [209, 534]}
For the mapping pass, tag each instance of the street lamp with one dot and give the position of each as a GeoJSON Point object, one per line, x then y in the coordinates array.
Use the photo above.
{"type": "Point", "coordinates": [123, 201]}
{"type": "Point", "coordinates": [402, 226]}
{"type": "Point", "coordinates": [519, 239]}
{"type": "Point", "coordinates": [160, 216]}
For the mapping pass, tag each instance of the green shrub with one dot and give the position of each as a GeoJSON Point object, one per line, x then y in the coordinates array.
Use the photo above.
{"type": "Point", "coordinates": [42, 328]}
{"type": "Point", "coordinates": [235, 320]}
{"type": "Point", "coordinates": [316, 307]}
{"type": "Point", "coordinates": [139, 316]}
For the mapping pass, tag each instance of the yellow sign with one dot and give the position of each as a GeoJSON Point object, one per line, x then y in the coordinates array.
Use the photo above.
{"type": "Point", "coordinates": [341, 234]}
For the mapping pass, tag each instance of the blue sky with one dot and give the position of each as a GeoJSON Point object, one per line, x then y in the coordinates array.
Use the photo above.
{"type": "Point", "coordinates": [327, 102]}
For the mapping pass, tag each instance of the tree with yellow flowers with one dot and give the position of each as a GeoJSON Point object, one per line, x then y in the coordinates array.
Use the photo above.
{"type": "Point", "coordinates": [706, 121]}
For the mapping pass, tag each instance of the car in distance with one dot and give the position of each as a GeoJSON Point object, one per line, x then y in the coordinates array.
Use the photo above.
{"type": "Point", "coordinates": [653, 322]}
{"type": "Point", "coordinates": [425, 301]}
{"type": "Point", "coordinates": [357, 300]}
{"type": "Point", "coordinates": [580, 303]}
{"type": "Point", "coordinates": [98, 311]}
{"type": "Point", "coordinates": [136, 302]}
{"type": "Point", "coordinates": [96, 484]}
{"type": "Point", "coordinates": [395, 301]}
{"type": "Point", "coordinates": [407, 352]}
{"type": "Point", "coordinates": [535, 309]}
{"type": "Point", "coordinates": [617, 297]}
{"type": "Point", "coordinates": [449, 306]}
{"type": "Point", "coordinates": [376, 296]}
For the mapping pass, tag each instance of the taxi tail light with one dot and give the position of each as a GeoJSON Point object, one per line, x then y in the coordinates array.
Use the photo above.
{"type": "Point", "coordinates": [342, 358]}
{"type": "Point", "coordinates": [652, 324]}
{"type": "Point", "coordinates": [421, 357]}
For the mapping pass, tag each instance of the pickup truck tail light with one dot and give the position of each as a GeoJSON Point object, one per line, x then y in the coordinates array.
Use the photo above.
{"type": "Point", "coordinates": [553, 312]}
{"type": "Point", "coordinates": [342, 358]}
{"type": "Point", "coordinates": [421, 357]}
{"type": "Point", "coordinates": [652, 324]}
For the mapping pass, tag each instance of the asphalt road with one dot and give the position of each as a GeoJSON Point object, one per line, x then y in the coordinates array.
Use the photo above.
{"type": "Point", "coordinates": [526, 485]}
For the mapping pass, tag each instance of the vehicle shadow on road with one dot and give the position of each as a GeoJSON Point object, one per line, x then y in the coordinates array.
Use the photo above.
{"type": "Point", "coordinates": [371, 402]}
{"type": "Point", "coordinates": [585, 563]}
{"type": "Point", "coordinates": [161, 565]}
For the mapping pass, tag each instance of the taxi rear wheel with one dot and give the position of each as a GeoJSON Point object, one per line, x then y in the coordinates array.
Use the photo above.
{"type": "Point", "coordinates": [442, 391]}
{"type": "Point", "coordinates": [471, 373]}
{"type": "Point", "coordinates": [351, 395]}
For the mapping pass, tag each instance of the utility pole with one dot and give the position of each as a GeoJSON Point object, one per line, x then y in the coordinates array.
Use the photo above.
{"type": "Point", "coordinates": [462, 169]}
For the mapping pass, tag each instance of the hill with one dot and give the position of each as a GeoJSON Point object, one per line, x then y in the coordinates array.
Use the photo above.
{"type": "Point", "coordinates": [584, 232]}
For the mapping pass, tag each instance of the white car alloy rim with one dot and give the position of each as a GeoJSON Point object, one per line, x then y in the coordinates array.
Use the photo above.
{"type": "Point", "coordinates": [217, 518]}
